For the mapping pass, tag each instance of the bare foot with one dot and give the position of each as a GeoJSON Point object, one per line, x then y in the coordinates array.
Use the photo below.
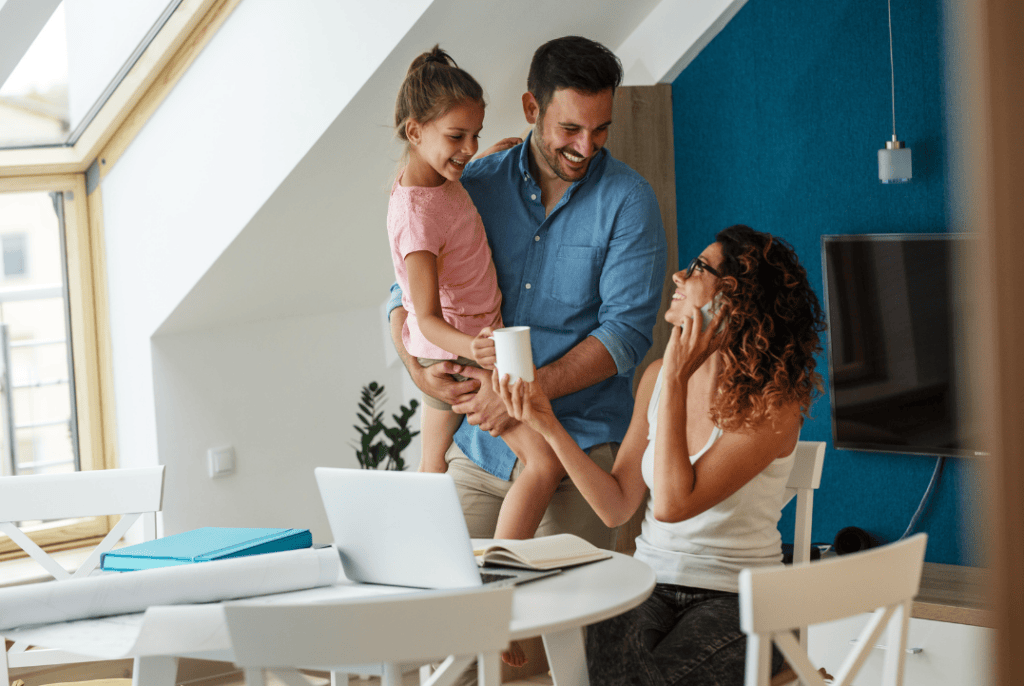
{"type": "Point", "coordinates": [514, 656]}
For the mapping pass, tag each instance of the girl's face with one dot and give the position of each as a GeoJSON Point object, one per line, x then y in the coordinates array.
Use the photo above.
{"type": "Point", "coordinates": [699, 287]}
{"type": "Point", "coordinates": [441, 148]}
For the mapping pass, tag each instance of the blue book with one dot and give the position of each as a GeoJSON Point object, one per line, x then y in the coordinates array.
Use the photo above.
{"type": "Point", "coordinates": [204, 545]}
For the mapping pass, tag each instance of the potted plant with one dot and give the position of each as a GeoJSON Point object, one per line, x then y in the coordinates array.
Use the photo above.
{"type": "Point", "coordinates": [372, 450]}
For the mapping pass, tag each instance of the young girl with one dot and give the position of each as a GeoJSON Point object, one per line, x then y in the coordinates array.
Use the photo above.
{"type": "Point", "coordinates": [443, 265]}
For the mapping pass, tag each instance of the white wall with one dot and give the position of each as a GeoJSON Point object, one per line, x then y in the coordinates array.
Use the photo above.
{"type": "Point", "coordinates": [283, 393]}
{"type": "Point", "coordinates": [246, 251]}
{"type": "Point", "coordinates": [252, 104]}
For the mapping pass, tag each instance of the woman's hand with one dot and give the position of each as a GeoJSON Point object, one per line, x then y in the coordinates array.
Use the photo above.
{"type": "Point", "coordinates": [483, 348]}
{"type": "Point", "coordinates": [525, 400]}
{"type": "Point", "coordinates": [691, 343]}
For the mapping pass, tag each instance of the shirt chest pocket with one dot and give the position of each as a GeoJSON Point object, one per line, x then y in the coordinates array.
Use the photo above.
{"type": "Point", "coordinates": [575, 277]}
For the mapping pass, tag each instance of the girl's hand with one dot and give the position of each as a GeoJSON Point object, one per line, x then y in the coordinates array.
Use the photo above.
{"type": "Point", "coordinates": [483, 348]}
{"type": "Point", "coordinates": [525, 401]}
{"type": "Point", "coordinates": [690, 343]}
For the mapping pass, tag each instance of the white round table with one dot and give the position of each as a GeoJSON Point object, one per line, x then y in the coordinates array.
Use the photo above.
{"type": "Point", "coordinates": [555, 608]}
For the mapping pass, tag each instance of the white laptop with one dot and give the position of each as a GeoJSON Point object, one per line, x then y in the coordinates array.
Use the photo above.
{"type": "Point", "coordinates": [404, 529]}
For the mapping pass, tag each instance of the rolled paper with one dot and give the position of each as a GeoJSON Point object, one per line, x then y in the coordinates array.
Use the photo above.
{"type": "Point", "coordinates": [115, 593]}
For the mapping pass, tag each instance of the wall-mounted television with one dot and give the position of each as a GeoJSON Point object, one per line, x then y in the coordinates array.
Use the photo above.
{"type": "Point", "coordinates": [895, 373]}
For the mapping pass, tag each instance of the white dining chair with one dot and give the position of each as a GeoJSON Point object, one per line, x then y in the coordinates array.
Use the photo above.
{"type": "Point", "coordinates": [775, 600]}
{"type": "Point", "coordinates": [453, 627]}
{"type": "Point", "coordinates": [804, 479]}
{"type": "Point", "coordinates": [132, 493]}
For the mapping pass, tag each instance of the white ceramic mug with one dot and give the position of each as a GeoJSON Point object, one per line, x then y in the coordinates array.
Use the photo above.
{"type": "Point", "coordinates": [515, 357]}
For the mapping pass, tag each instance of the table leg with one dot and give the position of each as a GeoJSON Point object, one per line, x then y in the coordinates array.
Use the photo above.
{"type": "Point", "coordinates": [154, 671]}
{"type": "Point", "coordinates": [567, 657]}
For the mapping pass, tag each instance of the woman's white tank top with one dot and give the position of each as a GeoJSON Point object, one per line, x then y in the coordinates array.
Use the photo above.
{"type": "Point", "coordinates": [709, 549]}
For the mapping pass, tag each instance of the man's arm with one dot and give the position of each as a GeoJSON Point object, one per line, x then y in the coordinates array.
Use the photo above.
{"type": "Point", "coordinates": [586, 364]}
{"type": "Point", "coordinates": [632, 279]}
{"type": "Point", "coordinates": [436, 380]}
{"type": "Point", "coordinates": [631, 284]}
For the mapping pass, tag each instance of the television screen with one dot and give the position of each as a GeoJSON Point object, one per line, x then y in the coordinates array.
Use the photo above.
{"type": "Point", "coordinates": [893, 365]}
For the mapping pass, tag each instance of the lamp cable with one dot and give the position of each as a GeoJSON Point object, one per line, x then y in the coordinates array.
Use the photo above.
{"type": "Point", "coordinates": [892, 72]}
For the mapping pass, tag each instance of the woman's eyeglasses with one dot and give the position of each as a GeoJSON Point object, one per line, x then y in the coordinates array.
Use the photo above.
{"type": "Point", "coordinates": [698, 263]}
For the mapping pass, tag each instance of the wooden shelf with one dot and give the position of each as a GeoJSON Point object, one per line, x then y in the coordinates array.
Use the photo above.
{"type": "Point", "coordinates": [950, 593]}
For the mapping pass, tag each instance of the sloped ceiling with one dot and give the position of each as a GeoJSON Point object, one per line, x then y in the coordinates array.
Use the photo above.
{"type": "Point", "coordinates": [319, 243]}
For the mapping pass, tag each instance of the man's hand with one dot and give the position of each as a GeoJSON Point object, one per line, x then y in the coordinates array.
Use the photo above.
{"type": "Point", "coordinates": [503, 144]}
{"type": "Point", "coordinates": [436, 381]}
{"type": "Point", "coordinates": [484, 409]}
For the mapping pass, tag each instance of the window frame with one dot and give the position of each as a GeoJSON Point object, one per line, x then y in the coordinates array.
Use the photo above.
{"type": "Point", "coordinates": [77, 172]}
{"type": "Point", "coordinates": [86, 297]}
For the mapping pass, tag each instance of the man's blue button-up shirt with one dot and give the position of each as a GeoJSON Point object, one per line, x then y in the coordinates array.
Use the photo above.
{"type": "Point", "coordinates": [593, 267]}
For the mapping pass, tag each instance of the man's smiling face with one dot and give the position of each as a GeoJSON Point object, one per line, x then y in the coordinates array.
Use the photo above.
{"type": "Point", "coordinates": [571, 131]}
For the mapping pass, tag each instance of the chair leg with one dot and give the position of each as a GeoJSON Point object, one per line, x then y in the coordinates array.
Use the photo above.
{"type": "Point", "coordinates": [253, 677]}
{"type": "Point", "coordinates": [5, 675]}
{"type": "Point", "coordinates": [392, 675]}
{"type": "Point", "coordinates": [759, 654]}
{"type": "Point", "coordinates": [488, 668]}
{"type": "Point", "coordinates": [154, 671]}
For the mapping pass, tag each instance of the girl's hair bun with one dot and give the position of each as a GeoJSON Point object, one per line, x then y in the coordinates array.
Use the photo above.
{"type": "Point", "coordinates": [433, 56]}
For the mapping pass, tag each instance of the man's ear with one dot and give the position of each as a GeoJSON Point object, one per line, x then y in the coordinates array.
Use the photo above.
{"type": "Point", "coordinates": [531, 108]}
{"type": "Point", "coordinates": [413, 131]}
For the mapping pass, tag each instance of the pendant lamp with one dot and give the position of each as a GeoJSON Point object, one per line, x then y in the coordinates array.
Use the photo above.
{"type": "Point", "coordinates": [894, 159]}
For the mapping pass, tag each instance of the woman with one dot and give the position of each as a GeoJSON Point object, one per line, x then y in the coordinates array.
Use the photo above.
{"type": "Point", "coordinates": [713, 432]}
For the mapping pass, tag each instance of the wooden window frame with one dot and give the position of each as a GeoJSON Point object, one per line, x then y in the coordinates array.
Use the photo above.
{"type": "Point", "coordinates": [77, 171]}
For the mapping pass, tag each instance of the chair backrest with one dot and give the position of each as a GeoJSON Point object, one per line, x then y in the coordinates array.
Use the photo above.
{"type": "Point", "coordinates": [131, 493]}
{"type": "Point", "coordinates": [775, 600]}
{"type": "Point", "coordinates": [804, 479]}
{"type": "Point", "coordinates": [400, 628]}
{"type": "Point", "coordinates": [454, 626]}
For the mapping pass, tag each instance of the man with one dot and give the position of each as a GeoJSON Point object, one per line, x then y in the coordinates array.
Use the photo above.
{"type": "Point", "coordinates": [579, 249]}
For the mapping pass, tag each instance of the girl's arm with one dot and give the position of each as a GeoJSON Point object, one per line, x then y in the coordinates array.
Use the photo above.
{"type": "Point", "coordinates": [426, 303]}
{"type": "Point", "coordinates": [681, 489]}
{"type": "Point", "coordinates": [614, 496]}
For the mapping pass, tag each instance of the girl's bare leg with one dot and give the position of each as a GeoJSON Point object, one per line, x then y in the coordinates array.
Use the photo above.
{"type": "Point", "coordinates": [437, 428]}
{"type": "Point", "coordinates": [528, 497]}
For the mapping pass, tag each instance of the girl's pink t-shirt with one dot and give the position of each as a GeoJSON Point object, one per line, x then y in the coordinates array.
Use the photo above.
{"type": "Point", "coordinates": [443, 220]}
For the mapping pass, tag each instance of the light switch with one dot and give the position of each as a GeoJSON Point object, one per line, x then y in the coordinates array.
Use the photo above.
{"type": "Point", "coordinates": [221, 461]}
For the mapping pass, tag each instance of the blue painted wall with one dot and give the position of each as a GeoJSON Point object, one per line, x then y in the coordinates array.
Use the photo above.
{"type": "Point", "coordinates": [777, 123]}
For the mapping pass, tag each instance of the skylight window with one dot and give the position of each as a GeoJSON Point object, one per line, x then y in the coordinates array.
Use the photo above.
{"type": "Point", "coordinates": [59, 62]}
{"type": "Point", "coordinates": [34, 97]}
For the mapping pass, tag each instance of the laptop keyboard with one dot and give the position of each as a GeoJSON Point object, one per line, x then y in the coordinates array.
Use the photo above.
{"type": "Point", "coordinates": [491, 577]}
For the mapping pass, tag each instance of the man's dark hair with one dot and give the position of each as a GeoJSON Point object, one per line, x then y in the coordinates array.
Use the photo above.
{"type": "Point", "coordinates": [572, 62]}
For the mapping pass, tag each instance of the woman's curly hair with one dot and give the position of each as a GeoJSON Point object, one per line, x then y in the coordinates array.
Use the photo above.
{"type": "Point", "coordinates": [772, 330]}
